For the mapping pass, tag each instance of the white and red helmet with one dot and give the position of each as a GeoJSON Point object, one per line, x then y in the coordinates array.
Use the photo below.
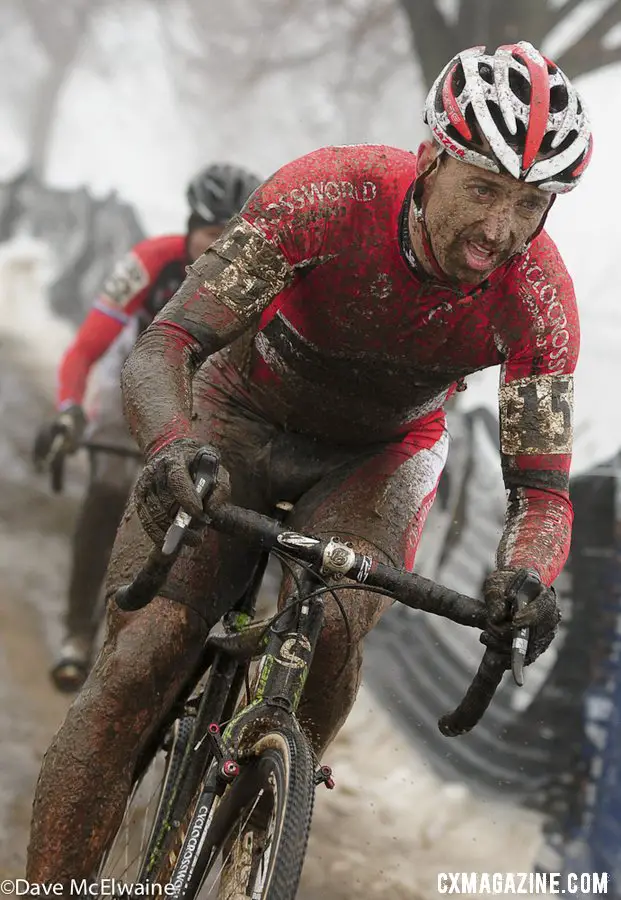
{"type": "Point", "coordinates": [512, 113]}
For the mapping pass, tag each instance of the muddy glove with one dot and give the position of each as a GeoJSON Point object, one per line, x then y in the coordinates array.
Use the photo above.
{"type": "Point", "coordinates": [541, 615]}
{"type": "Point", "coordinates": [165, 484]}
{"type": "Point", "coordinates": [69, 424]}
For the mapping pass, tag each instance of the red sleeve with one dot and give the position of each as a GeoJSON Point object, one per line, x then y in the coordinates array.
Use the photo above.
{"type": "Point", "coordinates": [96, 334]}
{"type": "Point", "coordinates": [126, 290]}
{"type": "Point", "coordinates": [124, 293]}
{"type": "Point", "coordinates": [536, 415]}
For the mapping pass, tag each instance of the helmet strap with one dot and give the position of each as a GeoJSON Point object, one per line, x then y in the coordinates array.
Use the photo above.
{"type": "Point", "coordinates": [419, 215]}
{"type": "Point", "coordinates": [539, 228]}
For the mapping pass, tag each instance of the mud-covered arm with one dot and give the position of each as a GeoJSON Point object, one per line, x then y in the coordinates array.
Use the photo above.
{"type": "Point", "coordinates": [536, 399]}
{"type": "Point", "coordinates": [536, 416]}
{"type": "Point", "coordinates": [224, 293]}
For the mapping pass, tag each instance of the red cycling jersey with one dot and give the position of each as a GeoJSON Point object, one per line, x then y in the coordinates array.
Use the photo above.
{"type": "Point", "coordinates": [141, 283]}
{"type": "Point", "coordinates": [334, 330]}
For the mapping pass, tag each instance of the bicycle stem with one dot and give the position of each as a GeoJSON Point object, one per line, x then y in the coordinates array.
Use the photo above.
{"type": "Point", "coordinates": [333, 557]}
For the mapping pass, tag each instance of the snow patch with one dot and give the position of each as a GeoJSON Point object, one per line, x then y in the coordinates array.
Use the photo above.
{"type": "Point", "coordinates": [391, 825]}
{"type": "Point", "coordinates": [39, 336]}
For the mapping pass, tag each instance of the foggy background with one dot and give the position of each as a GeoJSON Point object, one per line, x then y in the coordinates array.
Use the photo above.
{"type": "Point", "coordinates": [106, 110]}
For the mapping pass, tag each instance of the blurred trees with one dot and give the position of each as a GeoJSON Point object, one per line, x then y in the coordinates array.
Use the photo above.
{"type": "Point", "coordinates": [58, 29]}
{"type": "Point", "coordinates": [580, 35]}
{"type": "Point", "coordinates": [336, 49]}
{"type": "Point", "coordinates": [342, 57]}
{"type": "Point", "coordinates": [364, 48]}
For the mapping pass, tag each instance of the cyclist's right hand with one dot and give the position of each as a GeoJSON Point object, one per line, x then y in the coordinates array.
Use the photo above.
{"type": "Point", "coordinates": [68, 425]}
{"type": "Point", "coordinates": [165, 484]}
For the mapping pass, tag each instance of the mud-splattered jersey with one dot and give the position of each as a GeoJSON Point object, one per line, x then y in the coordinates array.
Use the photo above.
{"type": "Point", "coordinates": [140, 284]}
{"type": "Point", "coordinates": [332, 329]}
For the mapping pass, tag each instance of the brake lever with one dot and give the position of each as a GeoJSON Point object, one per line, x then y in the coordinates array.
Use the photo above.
{"type": "Point", "coordinates": [55, 463]}
{"type": "Point", "coordinates": [204, 470]}
{"type": "Point", "coordinates": [526, 590]}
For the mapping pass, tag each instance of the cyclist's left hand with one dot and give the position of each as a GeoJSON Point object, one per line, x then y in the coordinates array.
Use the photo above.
{"type": "Point", "coordinates": [69, 425]}
{"type": "Point", "coordinates": [165, 484]}
{"type": "Point", "coordinates": [542, 615]}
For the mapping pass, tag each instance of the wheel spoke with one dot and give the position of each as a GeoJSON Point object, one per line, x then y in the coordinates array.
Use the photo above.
{"type": "Point", "coordinates": [130, 844]}
{"type": "Point", "coordinates": [233, 844]}
{"type": "Point", "coordinates": [146, 808]}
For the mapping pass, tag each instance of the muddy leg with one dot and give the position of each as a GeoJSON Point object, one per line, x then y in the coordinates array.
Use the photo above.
{"type": "Point", "coordinates": [92, 543]}
{"type": "Point", "coordinates": [87, 771]}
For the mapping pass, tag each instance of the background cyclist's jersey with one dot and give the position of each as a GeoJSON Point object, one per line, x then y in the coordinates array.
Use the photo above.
{"type": "Point", "coordinates": [335, 331]}
{"type": "Point", "coordinates": [140, 284]}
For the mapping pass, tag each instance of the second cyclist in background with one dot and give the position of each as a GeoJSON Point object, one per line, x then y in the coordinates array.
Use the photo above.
{"type": "Point", "coordinates": [139, 286]}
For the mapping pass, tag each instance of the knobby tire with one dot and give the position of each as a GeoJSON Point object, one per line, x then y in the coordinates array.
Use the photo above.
{"type": "Point", "coordinates": [281, 758]}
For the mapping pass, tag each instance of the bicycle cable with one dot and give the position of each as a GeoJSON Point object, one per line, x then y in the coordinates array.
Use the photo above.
{"type": "Point", "coordinates": [337, 600]}
{"type": "Point", "coordinates": [327, 589]}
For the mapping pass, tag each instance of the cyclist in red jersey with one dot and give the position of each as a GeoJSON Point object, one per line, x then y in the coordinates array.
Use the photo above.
{"type": "Point", "coordinates": [314, 346]}
{"type": "Point", "coordinates": [138, 288]}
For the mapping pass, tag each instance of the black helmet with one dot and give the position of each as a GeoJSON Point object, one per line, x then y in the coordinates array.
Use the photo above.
{"type": "Point", "coordinates": [219, 192]}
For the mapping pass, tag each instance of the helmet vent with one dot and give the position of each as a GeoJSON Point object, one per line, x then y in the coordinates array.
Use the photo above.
{"type": "Point", "coordinates": [558, 98]}
{"type": "Point", "coordinates": [485, 71]}
{"type": "Point", "coordinates": [546, 144]}
{"type": "Point", "coordinates": [514, 140]}
{"type": "Point", "coordinates": [520, 86]}
{"type": "Point", "coordinates": [473, 125]}
{"type": "Point", "coordinates": [459, 80]}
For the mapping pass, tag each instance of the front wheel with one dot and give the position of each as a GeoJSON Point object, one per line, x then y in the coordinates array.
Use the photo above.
{"type": "Point", "coordinates": [257, 833]}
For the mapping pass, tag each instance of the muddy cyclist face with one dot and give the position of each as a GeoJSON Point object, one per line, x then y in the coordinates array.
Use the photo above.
{"type": "Point", "coordinates": [476, 219]}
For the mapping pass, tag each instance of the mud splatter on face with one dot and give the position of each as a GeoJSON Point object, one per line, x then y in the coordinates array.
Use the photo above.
{"type": "Point", "coordinates": [477, 220]}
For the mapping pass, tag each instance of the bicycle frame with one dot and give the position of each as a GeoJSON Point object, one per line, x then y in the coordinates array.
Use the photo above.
{"type": "Point", "coordinates": [217, 700]}
{"type": "Point", "coordinates": [284, 666]}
